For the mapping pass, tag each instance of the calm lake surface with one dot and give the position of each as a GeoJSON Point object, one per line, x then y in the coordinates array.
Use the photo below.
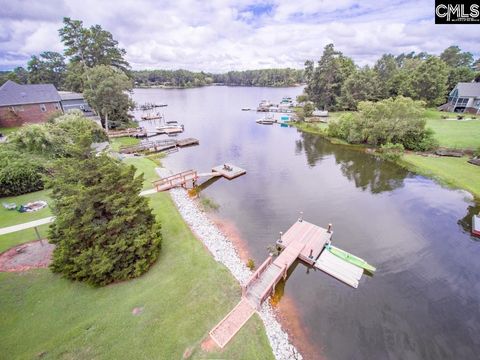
{"type": "Point", "coordinates": [424, 300]}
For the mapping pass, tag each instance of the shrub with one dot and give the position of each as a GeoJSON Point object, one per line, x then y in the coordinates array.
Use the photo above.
{"type": "Point", "coordinates": [391, 152]}
{"type": "Point", "coordinates": [251, 264]}
{"type": "Point", "coordinates": [19, 174]}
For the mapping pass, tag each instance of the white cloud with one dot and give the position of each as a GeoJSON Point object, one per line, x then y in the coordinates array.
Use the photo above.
{"type": "Point", "coordinates": [222, 35]}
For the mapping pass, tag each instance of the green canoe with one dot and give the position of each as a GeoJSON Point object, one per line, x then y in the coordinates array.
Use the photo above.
{"type": "Point", "coordinates": [352, 259]}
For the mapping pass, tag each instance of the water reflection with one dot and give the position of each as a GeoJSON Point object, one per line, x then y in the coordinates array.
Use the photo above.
{"type": "Point", "coordinates": [422, 302]}
{"type": "Point", "coordinates": [466, 222]}
{"type": "Point", "coordinates": [367, 172]}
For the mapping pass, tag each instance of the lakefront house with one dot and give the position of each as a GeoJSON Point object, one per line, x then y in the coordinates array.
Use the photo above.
{"type": "Point", "coordinates": [34, 103]}
{"type": "Point", "coordinates": [464, 98]}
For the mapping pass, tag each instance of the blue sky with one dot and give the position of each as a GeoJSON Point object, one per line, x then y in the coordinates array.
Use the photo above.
{"type": "Point", "coordinates": [222, 35]}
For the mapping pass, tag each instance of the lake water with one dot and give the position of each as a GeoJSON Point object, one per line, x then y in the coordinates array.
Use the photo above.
{"type": "Point", "coordinates": [423, 302]}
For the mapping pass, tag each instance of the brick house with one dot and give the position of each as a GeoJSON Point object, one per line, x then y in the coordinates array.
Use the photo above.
{"type": "Point", "coordinates": [20, 104]}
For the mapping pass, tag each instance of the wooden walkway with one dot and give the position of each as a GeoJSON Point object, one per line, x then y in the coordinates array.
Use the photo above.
{"type": "Point", "coordinates": [158, 145]}
{"type": "Point", "coordinates": [304, 241]}
{"type": "Point", "coordinates": [230, 324]}
{"type": "Point", "coordinates": [185, 178]}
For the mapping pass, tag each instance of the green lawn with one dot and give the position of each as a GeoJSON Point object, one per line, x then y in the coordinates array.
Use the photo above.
{"type": "Point", "coordinates": [10, 240]}
{"type": "Point", "coordinates": [115, 143]}
{"type": "Point", "coordinates": [183, 296]}
{"type": "Point", "coordinates": [454, 134]}
{"type": "Point", "coordinates": [145, 166]}
{"type": "Point", "coordinates": [451, 171]}
{"type": "Point", "coordinates": [13, 217]}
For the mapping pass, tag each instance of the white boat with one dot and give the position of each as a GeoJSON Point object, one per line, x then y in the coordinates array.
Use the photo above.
{"type": "Point", "coordinates": [266, 120]}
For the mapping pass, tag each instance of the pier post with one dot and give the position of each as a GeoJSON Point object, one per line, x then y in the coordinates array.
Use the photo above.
{"type": "Point", "coordinates": [311, 253]}
{"type": "Point", "coordinates": [280, 239]}
{"type": "Point", "coordinates": [300, 219]}
{"type": "Point", "coordinates": [329, 228]}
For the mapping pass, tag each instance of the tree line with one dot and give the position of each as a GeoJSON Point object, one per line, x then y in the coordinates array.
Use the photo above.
{"type": "Point", "coordinates": [337, 83]}
{"type": "Point", "coordinates": [185, 79]}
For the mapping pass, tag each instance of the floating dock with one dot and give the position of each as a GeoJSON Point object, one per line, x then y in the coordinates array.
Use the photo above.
{"type": "Point", "coordinates": [229, 171]}
{"type": "Point", "coordinates": [304, 241]}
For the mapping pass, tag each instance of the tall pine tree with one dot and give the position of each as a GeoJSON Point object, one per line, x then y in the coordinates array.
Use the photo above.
{"type": "Point", "coordinates": [104, 230]}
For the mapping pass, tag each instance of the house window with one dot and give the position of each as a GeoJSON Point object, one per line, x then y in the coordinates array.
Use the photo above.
{"type": "Point", "coordinates": [476, 104]}
{"type": "Point", "coordinates": [43, 107]}
{"type": "Point", "coordinates": [462, 102]}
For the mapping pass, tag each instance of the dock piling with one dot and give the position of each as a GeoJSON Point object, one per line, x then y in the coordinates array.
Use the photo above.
{"type": "Point", "coordinates": [280, 240]}
{"type": "Point", "coordinates": [329, 230]}
{"type": "Point", "coordinates": [300, 219]}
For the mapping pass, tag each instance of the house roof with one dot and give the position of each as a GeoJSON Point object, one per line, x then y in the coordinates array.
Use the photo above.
{"type": "Point", "coordinates": [12, 93]}
{"type": "Point", "coordinates": [68, 95]}
{"type": "Point", "coordinates": [468, 89]}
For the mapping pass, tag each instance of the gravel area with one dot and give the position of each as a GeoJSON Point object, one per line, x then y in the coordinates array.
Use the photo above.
{"type": "Point", "coordinates": [224, 252]}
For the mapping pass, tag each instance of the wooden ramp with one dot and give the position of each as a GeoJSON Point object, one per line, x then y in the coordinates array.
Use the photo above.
{"type": "Point", "coordinates": [339, 269]}
{"type": "Point", "coordinates": [230, 324]}
{"type": "Point", "coordinates": [185, 177]}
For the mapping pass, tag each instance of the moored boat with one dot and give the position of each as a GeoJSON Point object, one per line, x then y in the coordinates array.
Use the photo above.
{"type": "Point", "coordinates": [352, 259]}
{"type": "Point", "coordinates": [476, 225]}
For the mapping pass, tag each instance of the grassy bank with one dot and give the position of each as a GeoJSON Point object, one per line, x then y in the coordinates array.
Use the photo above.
{"type": "Point", "coordinates": [46, 316]}
{"type": "Point", "coordinates": [454, 134]}
{"type": "Point", "coordinates": [454, 172]}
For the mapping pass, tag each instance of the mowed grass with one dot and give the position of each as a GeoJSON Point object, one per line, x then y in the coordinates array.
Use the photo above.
{"type": "Point", "coordinates": [455, 172]}
{"type": "Point", "coordinates": [116, 143]}
{"type": "Point", "coordinates": [463, 134]}
{"type": "Point", "coordinates": [146, 167]}
{"type": "Point", "coordinates": [13, 217]}
{"type": "Point", "coordinates": [183, 296]}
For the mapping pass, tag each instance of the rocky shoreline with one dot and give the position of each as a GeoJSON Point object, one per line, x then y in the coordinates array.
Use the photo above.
{"type": "Point", "coordinates": [224, 252]}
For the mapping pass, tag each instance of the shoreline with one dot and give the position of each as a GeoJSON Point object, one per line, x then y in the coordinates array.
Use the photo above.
{"type": "Point", "coordinates": [443, 178]}
{"type": "Point", "coordinates": [285, 310]}
{"type": "Point", "coordinates": [223, 250]}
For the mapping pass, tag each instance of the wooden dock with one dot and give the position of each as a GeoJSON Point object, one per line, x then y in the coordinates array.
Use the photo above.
{"type": "Point", "coordinates": [132, 132]}
{"type": "Point", "coordinates": [158, 145]}
{"type": "Point", "coordinates": [304, 241]}
{"type": "Point", "coordinates": [190, 177]}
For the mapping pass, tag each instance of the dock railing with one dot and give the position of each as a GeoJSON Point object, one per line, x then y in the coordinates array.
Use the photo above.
{"type": "Point", "coordinates": [271, 287]}
{"type": "Point", "coordinates": [177, 179]}
{"type": "Point", "coordinates": [257, 274]}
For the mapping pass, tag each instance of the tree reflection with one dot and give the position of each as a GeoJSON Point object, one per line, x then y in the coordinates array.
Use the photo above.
{"type": "Point", "coordinates": [366, 171]}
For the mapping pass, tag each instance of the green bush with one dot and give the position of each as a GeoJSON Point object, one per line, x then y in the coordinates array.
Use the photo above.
{"type": "Point", "coordinates": [391, 152]}
{"type": "Point", "coordinates": [19, 174]}
{"type": "Point", "coordinates": [56, 139]}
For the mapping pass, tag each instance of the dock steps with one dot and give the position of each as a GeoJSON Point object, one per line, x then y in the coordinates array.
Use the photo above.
{"type": "Point", "coordinates": [339, 269]}
{"type": "Point", "coordinates": [230, 324]}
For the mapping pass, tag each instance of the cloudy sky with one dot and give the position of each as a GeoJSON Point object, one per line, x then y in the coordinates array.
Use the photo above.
{"type": "Point", "coordinates": [222, 35]}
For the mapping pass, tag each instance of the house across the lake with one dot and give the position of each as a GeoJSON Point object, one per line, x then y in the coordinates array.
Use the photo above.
{"type": "Point", "coordinates": [465, 97]}
{"type": "Point", "coordinates": [34, 103]}
{"type": "Point", "coordinates": [20, 104]}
